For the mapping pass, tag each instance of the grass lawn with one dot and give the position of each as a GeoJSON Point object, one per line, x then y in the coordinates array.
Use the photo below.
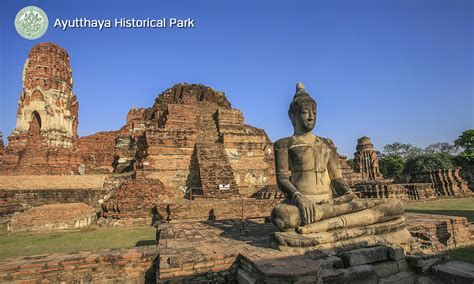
{"type": "Point", "coordinates": [92, 238]}
{"type": "Point", "coordinates": [450, 206]}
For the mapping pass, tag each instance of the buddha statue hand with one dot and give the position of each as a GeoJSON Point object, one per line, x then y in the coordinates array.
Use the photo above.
{"type": "Point", "coordinates": [307, 209]}
{"type": "Point", "coordinates": [343, 191]}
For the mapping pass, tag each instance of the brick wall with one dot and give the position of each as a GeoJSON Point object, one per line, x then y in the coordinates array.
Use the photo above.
{"type": "Point", "coordinates": [217, 209]}
{"type": "Point", "coordinates": [375, 189]}
{"type": "Point", "coordinates": [114, 265]}
{"type": "Point", "coordinates": [195, 210]}
{"type": "Point", "coordinates": [97, 150]}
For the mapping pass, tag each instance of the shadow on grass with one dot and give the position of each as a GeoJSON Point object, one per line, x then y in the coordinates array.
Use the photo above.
{"type": "Point", "coordinates": [146, 243]}
{"type": "Point", "coordinates": [469, 214]}
{"type": "Point", "coordinates": [465, 254]}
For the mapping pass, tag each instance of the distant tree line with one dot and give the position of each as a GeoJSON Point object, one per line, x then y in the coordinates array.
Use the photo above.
{"type": "Point", "coordinates": [398, 160]}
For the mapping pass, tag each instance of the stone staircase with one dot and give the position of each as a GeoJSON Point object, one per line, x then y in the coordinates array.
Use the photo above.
{"type": "Point", "coordinates": [206, 126]}
{"type": "Point", "coordinates": [215, 171]}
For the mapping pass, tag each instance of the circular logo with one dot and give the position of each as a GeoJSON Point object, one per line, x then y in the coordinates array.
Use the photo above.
{"type": "Point", "coordinates": [31, 22]}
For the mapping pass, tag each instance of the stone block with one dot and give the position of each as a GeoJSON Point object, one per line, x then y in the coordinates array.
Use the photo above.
{"type": "Point", "coordinates": [385, 268]}
{"type": "Point", "coordinates": [331, 262]}
{"type": "Point", "coordinates": [364, 256]}
{"type": "Point", "coordinates": [402, 264]}
{"type": "Point", "coordinates": [361, 274]}
{"type": "Point", "coordinates": [423, 262]}
{"type": "Point", "coordinates": [396, 253]}
{"type": "Point", "coordinates": [334, 275]}
{"type": "Point", "coordinates": [399, 278]}
{"type": "Point", "coordinates": [427, 280]}
{"type": "Point", "coordinates": [244, 278]}
{"type": "Point", "coordinates": [358, 274]}
{"type": "Point", "coordinates": [454, 272]}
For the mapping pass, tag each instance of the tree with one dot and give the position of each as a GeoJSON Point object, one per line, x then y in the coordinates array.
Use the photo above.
{"type": "Point", "coordinates": [465, 160]}
{"type": "Point", "coordinates": [466, 141]}
{"type": "Point", "coordinates": [427, 162]}
{"type": "Point", "coordinates": [391, 166]}
{"type": "Point", "coordinates": [401, 150]}
{"type": "Point", "coordinates": [442, 148]}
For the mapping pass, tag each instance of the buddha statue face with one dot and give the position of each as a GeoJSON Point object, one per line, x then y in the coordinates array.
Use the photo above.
{"type": "Point", "coordinates": [303, 116]}
{"type": "Point", "coordinates": [302, 111]}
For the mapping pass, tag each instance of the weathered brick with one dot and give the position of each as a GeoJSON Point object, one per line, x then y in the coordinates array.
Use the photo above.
{"type": "Point", "coordinates": [33, 265]}
{"type": "Point", "coordinates": [132, 255]}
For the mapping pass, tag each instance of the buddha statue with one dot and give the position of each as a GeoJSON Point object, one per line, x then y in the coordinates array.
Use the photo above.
{"type": "Point", "coordinates": [320, 210]}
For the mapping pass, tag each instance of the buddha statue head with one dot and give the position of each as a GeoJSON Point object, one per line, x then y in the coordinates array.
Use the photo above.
{"type": "Point", "coordinates": [302, 111]}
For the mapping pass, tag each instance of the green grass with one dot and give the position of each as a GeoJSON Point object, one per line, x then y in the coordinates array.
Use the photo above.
{"type": "Point", "coordinates": [450, 206]}
{"type": "Point", "coordinates": [462, 254]}
{"type": "Point", "coordinates": [90, 239]}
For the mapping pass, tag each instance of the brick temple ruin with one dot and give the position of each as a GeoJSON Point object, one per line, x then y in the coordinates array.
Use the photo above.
{"type": "Point", "coordinates": [190, 162]}
{"type": "Point", "coordinates": [446, 182]}
{"type": "Point", "coordinates": [189, 130]}
{"type": "Point", "coordinates": [367, 181]}
{"type": "Point", "coordinates": [191, 144]}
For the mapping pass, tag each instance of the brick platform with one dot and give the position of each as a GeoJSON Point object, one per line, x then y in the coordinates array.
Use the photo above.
{"type": "Point", "coordinates": [54, 217]}
{"type": "Point", "coordinates": [211, 252]}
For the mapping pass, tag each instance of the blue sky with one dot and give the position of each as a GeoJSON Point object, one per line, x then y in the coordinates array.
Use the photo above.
{"type": "Point", "coordinates": [392, 70]}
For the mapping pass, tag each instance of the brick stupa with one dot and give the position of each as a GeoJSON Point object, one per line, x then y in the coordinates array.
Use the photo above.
{"type": "Point", "coordinates": [45, 136]}
{"type": "Point", "coordinates": [366, 161]}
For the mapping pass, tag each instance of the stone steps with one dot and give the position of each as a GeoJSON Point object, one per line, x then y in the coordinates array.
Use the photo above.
{"type": "Point", "coordinates": [216, 174]}
{"type": "Point", "coordinates": [215, 171]}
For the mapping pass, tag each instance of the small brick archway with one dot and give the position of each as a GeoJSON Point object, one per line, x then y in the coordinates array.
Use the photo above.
{"type": "Point", "coordinates": [35, 124]}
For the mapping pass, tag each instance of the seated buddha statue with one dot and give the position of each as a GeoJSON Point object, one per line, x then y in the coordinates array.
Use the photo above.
{"type": "Point", "coordinates": [318, 200]}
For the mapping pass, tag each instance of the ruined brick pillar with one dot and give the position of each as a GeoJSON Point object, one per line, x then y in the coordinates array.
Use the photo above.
{"type": "Point", "coordinates": [45, 136]}
{"type": "Point", "coordinates": [365, 159]}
